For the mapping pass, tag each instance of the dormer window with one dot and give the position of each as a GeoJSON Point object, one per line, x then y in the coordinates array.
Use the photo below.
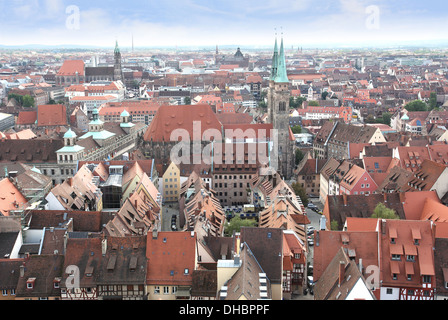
{"type": "Point", "coordinates": [56, 283]}
{"type": "Point", "coordinates": [392, 240]}
{"type": "Point", "coordinates": [30, 283]}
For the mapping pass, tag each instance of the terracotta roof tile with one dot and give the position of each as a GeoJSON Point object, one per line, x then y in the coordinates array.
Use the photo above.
{"type": "Point", "coordinates": [51, 115]}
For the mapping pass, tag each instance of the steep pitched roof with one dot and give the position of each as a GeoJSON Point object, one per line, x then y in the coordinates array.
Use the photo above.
{"type": "Point", "coordinates": [70, 67]}
{"type": "Point", "coordinates": [51, 115]}
{"type": "Point", "coordinates": [26, 118]}
{"type": "Point", "coordinates": [170, 118]}
{"type": "Point", "coordinates": [338, 279]}
{"type": "Point", "coordinates": [360, 245]}
{"type": "Point", "coordinates": [170, 255]}
{"type": "Point", "coordinates": [42, 270]}
{"type": "Point", "coordinates": [266, 244]}
{"type": "Point", "coordinates": [340, 207]}
{"type": "Point", "coordinates": [244, 284]}
{"type": "Point", "coordinates": [425, 177]}
{"type": "Point", "coordinates": [404, 232]}
{"type": "Point", "coordinates": [10, 197]}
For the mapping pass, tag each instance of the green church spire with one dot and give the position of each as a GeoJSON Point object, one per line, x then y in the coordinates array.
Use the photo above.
{"type": "Point", "coordinates": [281, 75]}
{"type": "Point", "coordinates": [117, 49]}
{"type": "Point", "coordinates": [274, 62]}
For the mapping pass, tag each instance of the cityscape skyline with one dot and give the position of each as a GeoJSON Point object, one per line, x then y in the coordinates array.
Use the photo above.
{"type": "Point", "coordinates": [197, 23]}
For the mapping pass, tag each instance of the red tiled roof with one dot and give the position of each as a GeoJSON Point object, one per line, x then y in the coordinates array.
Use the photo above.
{"type": "Point", "coordinates": [69, 68]}
{"type": "Point", "coordinates": [10, 197]}
{"type": "Point", "coordinates": [170, 118]}
{"type": "Point", "coordinates": [51, 115]}
{"type": "Point", "coordinates": [169, 255]}
{"type": "Point", "coordinates": [26, 118]}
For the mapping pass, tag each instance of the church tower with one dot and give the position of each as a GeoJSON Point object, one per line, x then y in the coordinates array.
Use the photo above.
{"type": "Point", "coordinates": [118, 71]}
{"type": "Point", "coordinates": [278, 111]}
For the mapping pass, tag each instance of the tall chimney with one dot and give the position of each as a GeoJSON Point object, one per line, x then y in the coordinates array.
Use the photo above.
{"type": "Point", "coordinates": [344, 197]}
{"type": "Point", "coordinates": [104, 246]}
{"type": "Point", "coordinates": [341, 272]}
{"type": "Point", "coordinates": [22, 270]}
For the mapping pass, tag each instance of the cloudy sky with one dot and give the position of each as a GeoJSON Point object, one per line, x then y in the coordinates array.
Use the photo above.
{"type": "Point", "coordinates": [152, 23]}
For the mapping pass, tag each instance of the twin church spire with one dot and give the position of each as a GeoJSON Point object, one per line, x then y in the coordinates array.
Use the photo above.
{"type": "Point", "coordinates": [278, 70]}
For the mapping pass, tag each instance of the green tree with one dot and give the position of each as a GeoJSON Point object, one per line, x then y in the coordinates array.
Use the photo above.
{"type": "Point", "coordinates": [313, 103]}
{"type": "Point", "coordinates": [28, 101]}
{"type": "Point", "coordinates": [324, 95]}
{"type": "Point", "coordinates": [296, 129]}
{"type": "Point", "coordinates": [296, 102]}
{"type": "Point", "coordinates": [299, 101]}
{"type": "Point", "coordinates": [17, 97]}
{"type": "Point", "coordinates": [299, 156]}
{"type": "Point", "coordinates": [187, 100]}
{"type": "Point", "coordinates": [383, 212]}
{"type": "Point", "coordinates": [236, 223]}
{"type": "Point", "coordinates": [334, 225]}
{"type": "Point", "coordinates": [386, 118]}
{"type": "Point", "coordinates": [301, 192]}
{"type": "Point", "coordinates": [432, 101]}
{"type": "Point", "coordinates": [416, 105]}
{"type": "Point", "coordinates": [262, 105]}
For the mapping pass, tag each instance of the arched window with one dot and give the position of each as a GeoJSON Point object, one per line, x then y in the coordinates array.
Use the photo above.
{"type": "Point", "coordinates": [282, 106]}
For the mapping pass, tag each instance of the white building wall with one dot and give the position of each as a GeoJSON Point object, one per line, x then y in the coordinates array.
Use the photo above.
{"type": "Point", "coordinates": [360, 291]}
{"type": "Point", "coordinates": [53, 203]}
{"type": "Point", "coordinates": [395, 295]}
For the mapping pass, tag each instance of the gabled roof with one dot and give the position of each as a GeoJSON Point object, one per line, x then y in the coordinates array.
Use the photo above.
{"type": "Point", "coordinates": [42, 270]}
{"type": "Point", "coordinates": [51, 115]}
{"type": "Point", "coordinates": [339, 278]}
{"type": "Point", "coordinates": [10, 197]}
{"type": "Point", "coordinates": [170, 255]}
{"type": "Point", "coordinates": [361, 246]}
{"type": "Point", "coordinates": [425, 178]}
{"type": "Point", "coordinates": [70, 67]}
{"type": "Point", "coordinates": [170, 118]}
{"type": "Point", "coordinates": [245, 282]}
{"type": "Point", "coordinates": [405, 232]}
{"type": "Point", "coordinates": [266, 244]}
{"type": "Point", "coordinates": [82, 220]}
{"type": "Point", "coordinates": [339, 207]}
{"type": "Point", "coordinates": [26, 118]}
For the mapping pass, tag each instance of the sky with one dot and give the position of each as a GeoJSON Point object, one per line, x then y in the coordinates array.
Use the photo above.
{"type": "Point", "coordinates": [197, 23]}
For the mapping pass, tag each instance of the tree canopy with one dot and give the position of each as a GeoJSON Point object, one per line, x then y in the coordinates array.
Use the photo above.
{"type": "Point", "coordinates": [382, 212]}
{"type": "Point", "coordinates": [416, 105]}
{"type": "Point", "coordinates": [301, 192]}
{"type": "Point", "coordinates": [296, 129]}
{"type": "Point", "coordinates": [236, 223]}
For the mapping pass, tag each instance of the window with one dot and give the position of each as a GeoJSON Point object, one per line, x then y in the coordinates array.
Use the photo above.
{"type": "Point", "coordinates": [4, 292]}
{"type": "Point", "coordinates": [166, 290]}
{"type": "Point", "coordinates": [156, 290]}
{"type": "Point", "coordinates": [416, 242]}
{"type": "Point", "coordinates": [392, 240]}
{"type": "Point", "coordinates": [426, 279]}
{"type": "Point", "coordinates": [394, 276]}
{"type": "Point", "coordinates": [389, 291]}
{"type": "Point", "coordinates": [186, 271]}
{"type": "Point", "coordinates": [396, 257]}
{"type": "Point", "coordinates": [410, 258]}
{"type": "Point", "coordinates": [173, 290]}
{"type": "Point", "coordinates": [410, 292]}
